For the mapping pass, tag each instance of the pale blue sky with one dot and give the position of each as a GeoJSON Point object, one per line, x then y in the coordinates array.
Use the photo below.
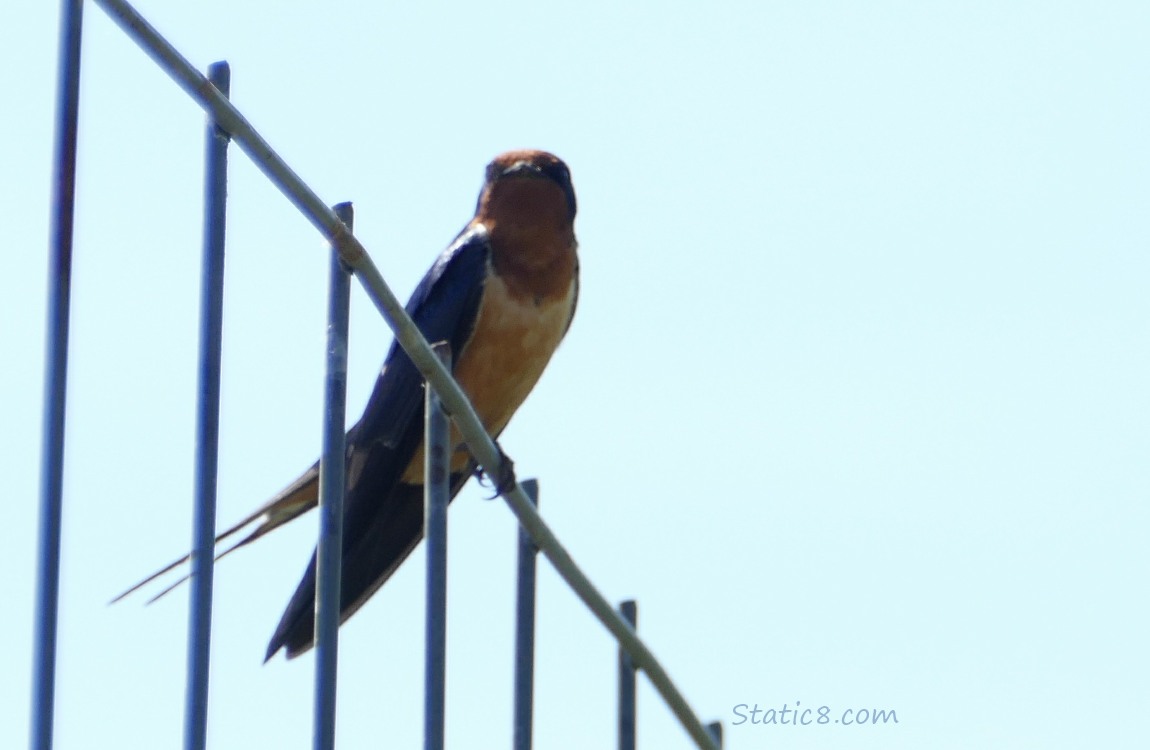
{"type": "Point", "coordinates": [854, 404]}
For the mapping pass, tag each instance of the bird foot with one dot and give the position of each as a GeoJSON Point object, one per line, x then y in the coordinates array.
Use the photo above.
{"type": "Point", "coordinates": [504, 481]}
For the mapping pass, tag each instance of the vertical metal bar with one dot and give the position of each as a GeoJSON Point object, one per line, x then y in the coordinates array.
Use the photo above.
{"type": "Point", "coordinates": [630, 613]}
{"type": "Point", "coordinates": [716, 730]}
{"type": "Point", "coordinates": [56, 374]}
{"type": "Point", "coordinates": [437, 468]}
{"type": "Point", "coordinates": [207, 424]}
{"type": "Point", "coordinates": [525, 629]}
{"type": "Point", "coordinates": [468, 421]}
{"type": "Point", "coordinates": [332, 470]}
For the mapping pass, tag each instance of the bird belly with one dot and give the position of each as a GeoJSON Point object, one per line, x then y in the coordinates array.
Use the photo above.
{"type": "Point", "coordinates": [511, 344]}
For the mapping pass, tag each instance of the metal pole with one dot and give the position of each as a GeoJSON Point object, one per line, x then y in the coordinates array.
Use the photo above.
{"type": "Point", "coordinates": [56, 374]}
{"type": "Point", "coordinates": [629, 612]}
{"type": "Point", "coordinates": [437, 468]}
{"type": "Point", "coordinates": [332, 471]}
{"type": "Point", "coordinates": [525, 629]}
{"type": "Point", "coordinates": [716, 730]}
{"type": "Point", "coordinates": [207, 424]}
{"type": "Point", "coordinates": [481, 445]}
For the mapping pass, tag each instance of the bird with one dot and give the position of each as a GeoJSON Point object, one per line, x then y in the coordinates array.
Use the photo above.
{"type": "Point", "coordinates": [502, 295]}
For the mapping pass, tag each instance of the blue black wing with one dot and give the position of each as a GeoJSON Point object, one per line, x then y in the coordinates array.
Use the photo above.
{"type": "Point", "coordinates": [383, 517]}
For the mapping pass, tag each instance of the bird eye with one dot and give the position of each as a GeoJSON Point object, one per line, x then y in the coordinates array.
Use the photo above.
{"type": "Point", "coordinates": [558, 171]}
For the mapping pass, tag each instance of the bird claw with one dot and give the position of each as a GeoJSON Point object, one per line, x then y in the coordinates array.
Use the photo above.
{"type": "Point", "coordinates": [505, 481]}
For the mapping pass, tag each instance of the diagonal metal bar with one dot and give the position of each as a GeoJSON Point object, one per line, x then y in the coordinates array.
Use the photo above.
{"type": "Point", "coordinates": [207, 424]}
{"type": "Point", "coordinates": [479, 443]}
{"type": "Point", "coordinates": [332, 477]}
{"type": "Point", "coordinates": [56, 375]}
{"type": "Point", "coordinates": [243, 134]}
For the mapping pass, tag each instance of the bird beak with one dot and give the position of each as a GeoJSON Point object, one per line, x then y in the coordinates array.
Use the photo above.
{"type": "Point", "coordinates": [523, 168]}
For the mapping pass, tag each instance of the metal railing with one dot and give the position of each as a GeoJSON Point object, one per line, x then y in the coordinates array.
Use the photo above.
{"type": "Point", "coordinates": [226, 124]}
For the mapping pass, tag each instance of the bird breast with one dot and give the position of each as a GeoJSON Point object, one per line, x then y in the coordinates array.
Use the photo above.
{"type": "Point", "coordinates": [512, 342]}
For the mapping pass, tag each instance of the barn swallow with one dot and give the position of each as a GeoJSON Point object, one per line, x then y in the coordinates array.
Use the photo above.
{"type": "Point", "coordinates": [503, 295]}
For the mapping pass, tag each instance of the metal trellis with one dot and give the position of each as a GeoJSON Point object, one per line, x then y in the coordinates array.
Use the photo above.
{"type": "Point", "coordinates": [349, 256]}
